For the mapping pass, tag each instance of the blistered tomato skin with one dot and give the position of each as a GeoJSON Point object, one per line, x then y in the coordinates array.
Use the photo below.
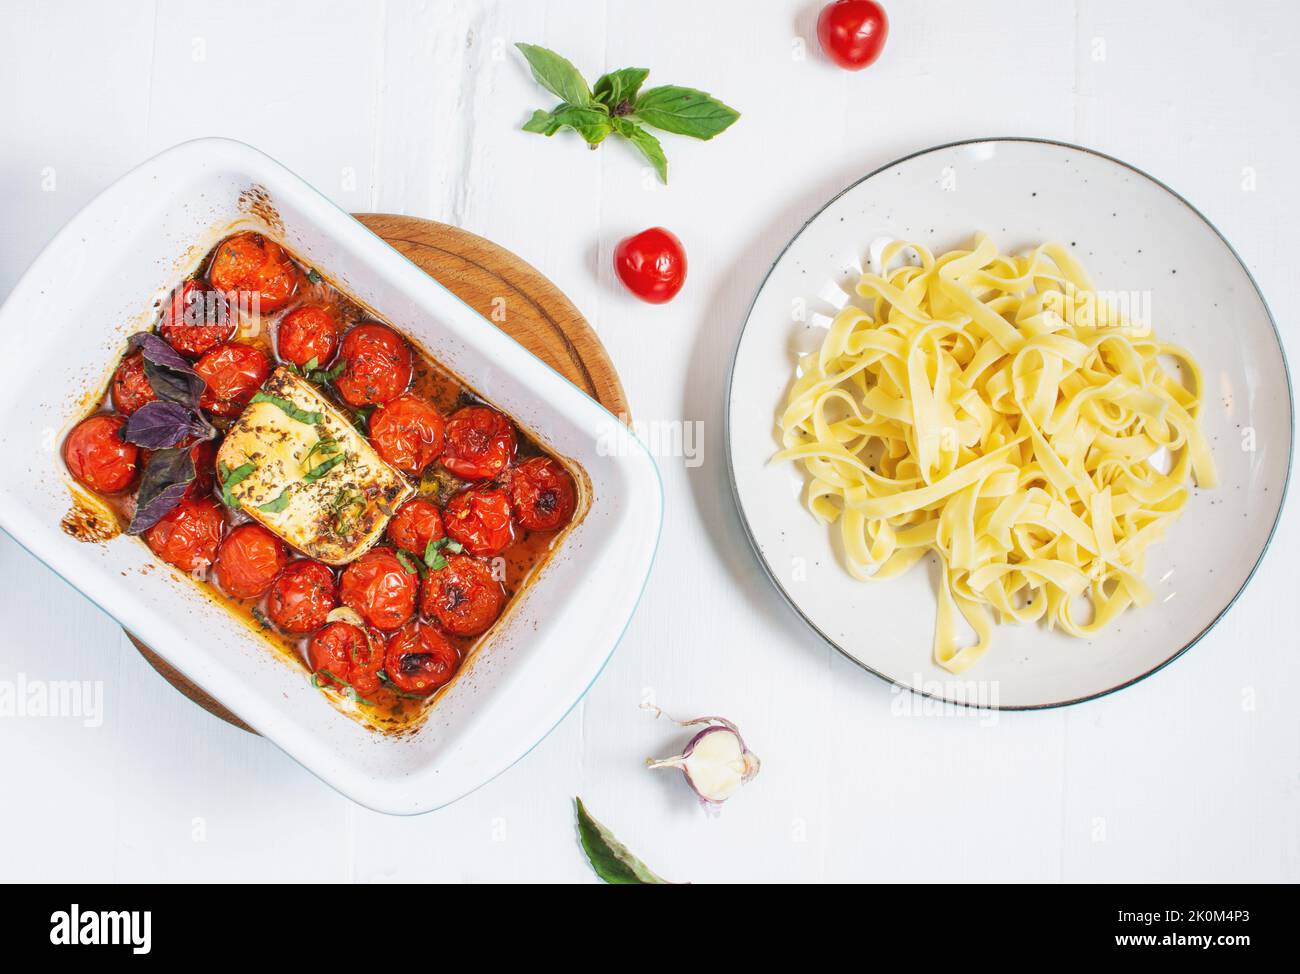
{"type": "Point", "coordinates": [249, 560]}
{"type": "Point", "coordinates": [188, 535]}
{"type": "Point", "coordinates": [378, 365]}
{"type": "Point", "coordinates": [197, 319]}
{"type": "Point", "coordinates": [479, 518]}
{"type": "Point", "coordinates": [853, 32]}
{"type": "Point", "coordinates": [416, 523]}
{"type": "Point", "coordinates": [130, 389]}
{"type": "Point", "coordinates": [342, 654]}
{"type": "Point", "coordinates": [652, 264]}
{"type": "Point", "coordinates": [306, 333]}
{"type": "Point", "coordinates": [408, 433]}
{"type": "Point", "coordinates": [480, 443]}
{"type": "Point", "coordinates": [420, 660]}
{"type": "Point", "coordinates": [204, 455]}
{"type": "Point", "coordinates": [99, 458]}
{"type": "Point", "coordinates": [463, 596]}
{"type": "Point", "coordinates": [256, 270]}
{"type": "Point", "coordinates": [233, 373]}
{"type": "Point", "coordinates": [380, 589]}
{"type": "Point", "coordinates": [542, 494]}
{"type": "Point", "coordinates": [302, 597]}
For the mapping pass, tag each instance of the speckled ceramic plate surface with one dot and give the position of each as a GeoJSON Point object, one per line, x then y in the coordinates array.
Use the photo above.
{"type": "Point", "coordinates": [1135, 235]}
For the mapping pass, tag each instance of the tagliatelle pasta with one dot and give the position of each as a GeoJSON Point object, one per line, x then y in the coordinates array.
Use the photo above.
{"type": "Point", "coordinates": [995, 410]}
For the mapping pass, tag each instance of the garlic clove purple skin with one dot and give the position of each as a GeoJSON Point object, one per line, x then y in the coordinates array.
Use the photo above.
{"type": "Point", "coordinates": [715, 763]}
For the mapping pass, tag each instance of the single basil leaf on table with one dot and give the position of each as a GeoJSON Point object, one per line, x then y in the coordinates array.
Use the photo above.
{"type": "Point", "coordinates": [646, 143]}
{"type": "Point", "coordinates": [166, 477]}
{"type": "Point", "coordinates": [163, 423]}
{"type": "Point", "coordinates": [619, 88]}
{"type": "Point", "coordinates": [557, 75]}
{"type": "Point", "coordinates": [169, 375]}
{"type": "Point", "coordinates": [592, 125]}
{"type": "Point", "coordinates": [684, 111]}
{"type": "Point", "coordinates": [609, 857]}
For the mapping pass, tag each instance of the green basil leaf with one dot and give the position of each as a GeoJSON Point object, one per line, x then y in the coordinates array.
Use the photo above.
{"type": "Point", "coordinates": [289, 409]}
{"type": "Point", "coordinates": [684, 111]}
{"type": "Point", "coordinates": [311, 364]}
{"type": "Point", "coordinates": [645, 142]}
{"type": "Point", "coordinates": [277, 505]}
{"type": "Point", "coordinates": [556, 75]}
{"type": "Point", "coordinates": [592, 125]}
{"type": "Point", "coordinates": [229, 478]}
{"type": "Point", "coordinates": [321, 469]}
{"type": "Point", "coordinates": [609, 857]}
{"type": "Point", "coordinates": [620, 86]}
{"type": "Point", "coordinates": [543, 123]}
{"type": "Point", "coordinates": [409, 564]}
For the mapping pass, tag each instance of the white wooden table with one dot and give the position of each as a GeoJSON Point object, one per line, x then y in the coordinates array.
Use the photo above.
{"type": "Point", "coordinates": [415, 107]}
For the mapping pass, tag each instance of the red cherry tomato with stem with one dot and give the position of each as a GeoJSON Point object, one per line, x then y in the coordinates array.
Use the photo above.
{"type": "Point", "coordinates": [853, 32]}
{"type": "Point", "coordinates": [652, 264]}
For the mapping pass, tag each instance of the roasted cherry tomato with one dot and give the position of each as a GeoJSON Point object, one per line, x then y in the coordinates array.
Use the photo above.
{"type": "Point", "coordinates": [233, 373]}
{"type": "Point", "coordinates": [343, 654]}
{"type": "Point", "coordinates": [852, 32]}
{"type": "Point", "coordinates": [130, 389]}
{"type": "Point", "coordinates": [248, 561]}
{"type": "Point", "coordinates": [379, 365]}
{"type": "Point", "coordinates": [408, 433]}
{"type": "Point", "coordinates": [479, 518]}
{"type": "Point", "coordinates": [380, 589]}
{"type": "Point", "coordinates": [420, 659]}
{"type": "Point", "coordinates": [652, 264]}
{"type": "Point", "coordinates": [306, 333]}
{"type": "Point", "coordinates": [543, 494]}
{"type": "Point", "coordinates": [302, 597]}
{"type": "Point", "coordinates": [416, 523]}
{"type": "Point", "coordinates": [257, 268]}
{"type": "Point", "coordinates": [197, 319]}
{"type": "Point", "coordinates": [188, 534]}
{"type": "Point", "coordinates": [480, 443]}
{"type": "Point", "coordinates": [463, 596]}
{"type": "Point", "coordinates": [98, 457]}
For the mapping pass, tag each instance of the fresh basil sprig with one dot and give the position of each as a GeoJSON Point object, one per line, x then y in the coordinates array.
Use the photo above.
{"type": "Point", "coordinates": [615, 104]}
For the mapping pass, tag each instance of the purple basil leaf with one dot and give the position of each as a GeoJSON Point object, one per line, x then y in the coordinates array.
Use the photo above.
{"type": "Point", "coordinates": [170, 376]}
{"type": "Point", "coordinates": [166, 476]}
{"type": "Point", "coordinates": [161, 423]}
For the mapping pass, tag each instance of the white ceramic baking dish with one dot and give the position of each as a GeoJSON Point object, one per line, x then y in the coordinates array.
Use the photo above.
{"type": "Point", "coordinates": [92, 287]}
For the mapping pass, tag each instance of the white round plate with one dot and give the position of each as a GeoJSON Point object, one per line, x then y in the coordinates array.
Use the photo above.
{"type": "Point", "coordinates": [1135, 235]}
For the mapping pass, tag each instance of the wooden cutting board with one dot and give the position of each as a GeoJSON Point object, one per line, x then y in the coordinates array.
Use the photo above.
{"type": "Point", "coordinates": [508, 292]}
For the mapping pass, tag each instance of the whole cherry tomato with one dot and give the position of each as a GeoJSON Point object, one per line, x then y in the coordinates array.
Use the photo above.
{"type": "Point", "coordinates": [130, 389]}
{"type": "Point", "coordinates": [188, 534]}
{"type": "Point", "coordinates": [381, 590]}
{"type": "Point", "coordinates": [248, 561]}
{"type": "Point", "coordinates": [416, 523]}
{"type": "Point", "coordinates": [343, 654]}
{"type": "Point", "coordinates": [463, 596]}
{"type": "Point", "coordinates": [233, 373]}
{"type": "Point", "coordinates": [408, 433]}
{"type": "Point", "coordinates": [98, 457]}
{"type": "Point", "coordinates": [302, 597]}
{"type": "Point", "coordinates": [378, 365]}
{"type": "Point", "coordinates": [197, 319]}
{"type": "Point", "coordinates": [542, 494]}
{"type": "Point", "coordinates": [306, 333]}
{"type": "Point", "coordinates": [249, 267]}
{"type": "Point", "coordinates": [479, 518]}
{"type": "Point", "coordinates": [852, 32]}
{"type": "Point", "coordinates": [480, 443]}
{"type": "Point", "coordinates": [652, 264]}
{"type": "Point", "coordinates": [420, 659]}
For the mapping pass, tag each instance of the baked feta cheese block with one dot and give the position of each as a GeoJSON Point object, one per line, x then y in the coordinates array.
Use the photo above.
{"type": "Point", "coordinates": [293, 462]}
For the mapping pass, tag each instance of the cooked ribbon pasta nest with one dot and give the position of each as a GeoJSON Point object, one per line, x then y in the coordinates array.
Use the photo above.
{"type": "Point", "coordinates": [995, 410]}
